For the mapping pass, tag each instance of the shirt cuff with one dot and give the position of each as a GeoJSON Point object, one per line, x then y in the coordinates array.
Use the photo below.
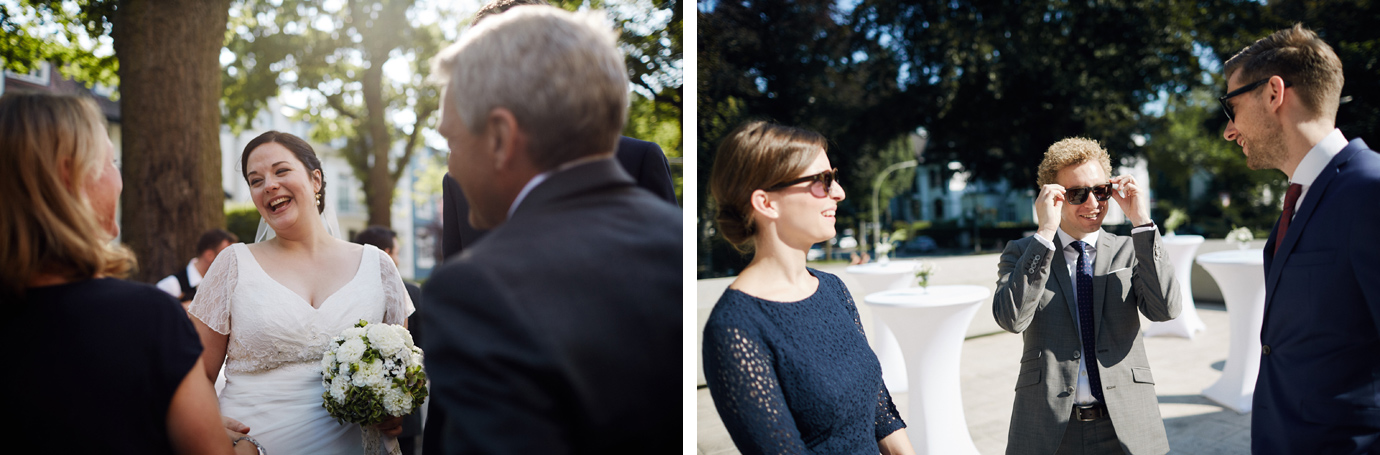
{"type": "Point", "coordinates": [1044, 241]}
{"type": "Point", "coordinates": [171, 286]}
{"type": "Point", "coordinates": [1138, 230]}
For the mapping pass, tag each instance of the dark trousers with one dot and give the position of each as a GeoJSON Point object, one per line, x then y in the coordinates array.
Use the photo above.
{"type": "Point", "coordinates": [1089, 438]}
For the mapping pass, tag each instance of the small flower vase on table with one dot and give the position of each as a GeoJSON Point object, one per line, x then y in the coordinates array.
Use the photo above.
{"type": "Point", "coordinates": [923, 271]}
{"type": "Point", "coordinates": [882, 249]}
{"type": "Point", "coordinates": [1241, 237]}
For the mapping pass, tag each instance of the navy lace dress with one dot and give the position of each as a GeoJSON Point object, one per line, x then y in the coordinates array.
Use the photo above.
{"type": "Point", "coordinates": [797, 377]}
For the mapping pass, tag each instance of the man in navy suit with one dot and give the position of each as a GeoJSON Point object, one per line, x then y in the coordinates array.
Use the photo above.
{"type": "Point", "coordinates": [560, 331]}
{"type": "Point", "coordinates": [1319, 384]}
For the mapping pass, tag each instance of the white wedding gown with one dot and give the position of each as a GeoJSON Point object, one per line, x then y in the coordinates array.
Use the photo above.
{"type": "Point", "coordinates": [273, 357]}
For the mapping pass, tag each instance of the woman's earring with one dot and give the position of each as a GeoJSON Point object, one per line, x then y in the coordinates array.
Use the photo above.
{"type": "Point", "coordinates": [318, 199]}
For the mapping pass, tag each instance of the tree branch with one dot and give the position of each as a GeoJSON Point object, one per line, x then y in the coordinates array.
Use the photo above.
{"type": "Point", "coordinates": [424, 111]}
{"type": "Point", "coordinates": [337, 102]}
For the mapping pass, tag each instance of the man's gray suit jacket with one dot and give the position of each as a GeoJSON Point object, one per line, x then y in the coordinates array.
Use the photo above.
{"type": "Point", "coordinates": [1129, 273]}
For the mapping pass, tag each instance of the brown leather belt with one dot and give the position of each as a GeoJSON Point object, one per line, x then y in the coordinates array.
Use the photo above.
{"type": "Point", "coordinates": [1090, 412]}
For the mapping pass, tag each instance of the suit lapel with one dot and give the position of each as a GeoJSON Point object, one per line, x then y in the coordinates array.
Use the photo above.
{"type": "Point", "coordinates": [1101, 265]}
{"type": "Point", "coordinates": [1316, 192]}
{"type": "Point", "coordinates": [1060, 269]}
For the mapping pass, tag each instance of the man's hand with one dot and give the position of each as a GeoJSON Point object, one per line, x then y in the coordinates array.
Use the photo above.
{"type": "Point", "coordinates": [1048, 207]}
{"type": "Point", "coordinates": [1127, 195]}
{"type": "Point", "coordinates": [390, 427]}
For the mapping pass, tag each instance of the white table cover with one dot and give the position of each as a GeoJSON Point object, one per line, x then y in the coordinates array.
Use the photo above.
{"type": "Point", "coordinates": [930, 326]}
{"type": "Point", "coordinates": [1181, 249]}
{"type": "Point", "coordinates": [1241, 276]}
{"type": "Point", "coordinates": [877, 277]}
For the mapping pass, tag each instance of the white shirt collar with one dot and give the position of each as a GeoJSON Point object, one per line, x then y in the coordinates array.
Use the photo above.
{"type": "Point", "coordinates": [1317, 158]}
{"type": "Point", "coordinates": [1067, 239]}
{"type": "Point", "coordinates": [537, 179]}
{"type": "Point", "coordinates": [193, 276]}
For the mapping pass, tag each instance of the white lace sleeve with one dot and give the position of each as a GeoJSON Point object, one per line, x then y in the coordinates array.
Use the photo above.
{"type": "Point", "coordinates": [397, 303]}
{"type": "Point", "coordinates": [212, 302]}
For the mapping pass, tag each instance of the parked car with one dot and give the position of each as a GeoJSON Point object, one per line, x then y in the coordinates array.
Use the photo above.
{"type": "Point", "coordinates": [920, 244]}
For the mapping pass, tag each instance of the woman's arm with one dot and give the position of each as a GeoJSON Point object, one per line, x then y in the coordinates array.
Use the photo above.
{"type": "Point", "coordinates": [194, 424]}
{"type": "Point", "coordinates": [896, 443]}
{"type": "Point", "coordinates": [742, 382]}
{"type": "Point", "coordinates": [213, 352]}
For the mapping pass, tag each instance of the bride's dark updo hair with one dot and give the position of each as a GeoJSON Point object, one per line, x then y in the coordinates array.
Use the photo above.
{"type": "Point", "coordinates": [756, 156]}
{"type": "Point", "coordinates": [299, 148]}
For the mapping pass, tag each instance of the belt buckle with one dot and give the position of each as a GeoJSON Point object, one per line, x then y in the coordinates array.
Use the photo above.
{"type": "Point", "coordinates": [1087, 413]}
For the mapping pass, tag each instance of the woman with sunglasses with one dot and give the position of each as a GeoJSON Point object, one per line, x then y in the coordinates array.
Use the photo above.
{"type": "Point", "coordinates": [787, 363]}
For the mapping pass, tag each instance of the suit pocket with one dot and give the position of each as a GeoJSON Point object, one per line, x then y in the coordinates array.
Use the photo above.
{"type": "Point", "coordinates": [1142, 375]}
{"type": "Point", "coordinates": [1119, 285]}
{"type": "Point", "coordinates": [1031, 371]}
{"type": "Point", "coordinates": [1029, 377]}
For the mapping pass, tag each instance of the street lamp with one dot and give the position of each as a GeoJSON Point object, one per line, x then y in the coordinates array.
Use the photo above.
{"type": "Point", "coordinates": [876, 189]}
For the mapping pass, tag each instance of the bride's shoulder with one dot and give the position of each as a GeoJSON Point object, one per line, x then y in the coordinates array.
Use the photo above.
{"type": "Point", "coordinates": [351, 248]}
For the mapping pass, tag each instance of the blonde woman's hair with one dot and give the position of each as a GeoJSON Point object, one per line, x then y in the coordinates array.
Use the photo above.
{"type": "Point", "coordinates": [1068, 152]}
{"type": "Point", "coordinates": [560, 74]}
{"type": "Point", "coordinates": [755, 156]}
{"type": "Point", "coordinates": [47, 225]}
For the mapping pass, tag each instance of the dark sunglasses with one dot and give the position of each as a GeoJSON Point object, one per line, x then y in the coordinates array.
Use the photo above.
{"type": "Point", "coordinates": [1226, 107]}
{"type": "Point", "coordinates": [820, 183]}
{"type": "Point", "coordinates": [1077, 196]}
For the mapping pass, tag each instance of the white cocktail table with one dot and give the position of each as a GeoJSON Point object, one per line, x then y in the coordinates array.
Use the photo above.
{"type": "Point", "coordinates": [1180, 249]}
{"type": "Point", "coordinates": [877, 277]}
{"type": "Point", "coordinates": [929, 326]}
{"type": "Point", "coordinates": [1240, 274]}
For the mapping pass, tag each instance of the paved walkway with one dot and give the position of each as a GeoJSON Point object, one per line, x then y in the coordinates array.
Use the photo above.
{"type": "Point", "coordinates": [1182, 369]}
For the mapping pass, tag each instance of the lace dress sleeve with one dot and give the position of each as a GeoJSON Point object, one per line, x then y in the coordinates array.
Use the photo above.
{"type": "Point", "coordinates": [742, 381]}
{"type": "Point", "coordinates": [212, 302]}
{"type": "Point", "coordinates": [397, 303]}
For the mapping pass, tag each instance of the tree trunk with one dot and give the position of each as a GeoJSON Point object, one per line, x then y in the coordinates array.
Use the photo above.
{"type": "Point", "coordinates": [170, 86]}
{"type": "Point", "coordinates": [378, 190]}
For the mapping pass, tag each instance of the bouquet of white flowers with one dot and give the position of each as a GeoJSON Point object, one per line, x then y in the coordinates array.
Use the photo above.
{"type": "Point", "coordinates": [372, 372]}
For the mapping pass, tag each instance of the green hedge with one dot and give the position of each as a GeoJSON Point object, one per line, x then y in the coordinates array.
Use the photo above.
{"type": "Point", "coordinates": [242, 220]}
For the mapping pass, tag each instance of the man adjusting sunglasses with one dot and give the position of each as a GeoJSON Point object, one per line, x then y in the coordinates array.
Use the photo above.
{"type": "Point", "coordinates": [1076, 294]}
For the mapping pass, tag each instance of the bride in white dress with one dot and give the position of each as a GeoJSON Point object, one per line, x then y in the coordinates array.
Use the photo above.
{"type": "Point", "coordinates": [268, 310]}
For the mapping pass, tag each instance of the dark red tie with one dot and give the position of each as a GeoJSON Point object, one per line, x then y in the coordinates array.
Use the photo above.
{"type": "Point", "coordinates": [1291, 197]}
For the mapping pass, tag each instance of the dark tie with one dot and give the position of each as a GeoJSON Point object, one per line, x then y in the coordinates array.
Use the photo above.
{"type": "Point", "coordinates": [1291, 197]}
{"type": "Point", "coordinates": [1085, 319]}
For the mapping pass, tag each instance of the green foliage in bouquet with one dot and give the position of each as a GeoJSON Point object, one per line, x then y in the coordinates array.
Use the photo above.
{"type": "Point", "coordinates": [372, 372]}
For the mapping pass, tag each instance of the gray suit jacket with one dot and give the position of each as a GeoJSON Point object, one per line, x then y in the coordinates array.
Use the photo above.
{"type": "Point", "coordinates": [1129, 273]}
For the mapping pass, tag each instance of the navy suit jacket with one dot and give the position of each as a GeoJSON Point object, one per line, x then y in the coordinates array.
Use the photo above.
{"type": "Point", "coordinates": [643, 160]}
{"type": "Point", "coordinates": [1319, 384]}
{"type": "Point", "coordinates": [561, 331]}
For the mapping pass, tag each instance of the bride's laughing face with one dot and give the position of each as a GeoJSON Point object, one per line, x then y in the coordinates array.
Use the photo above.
{"type": "Point", "coordinates": [282, 188]}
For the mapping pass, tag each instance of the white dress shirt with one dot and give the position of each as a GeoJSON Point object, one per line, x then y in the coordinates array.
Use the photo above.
{"type": "Point", "coordinates": [170, 285]}
{"type": "Point", "coordinates": [1315, 161]}
{"type": "Point", "coordinates": [1083, 391]}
